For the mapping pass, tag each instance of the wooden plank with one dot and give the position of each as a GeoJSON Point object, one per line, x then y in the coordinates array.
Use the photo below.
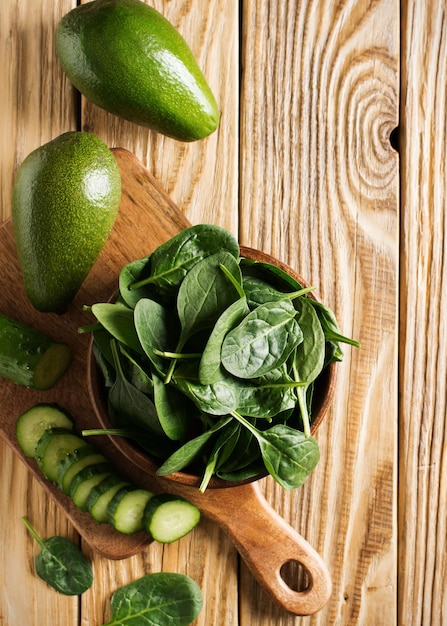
{"type": "Point", "coordinates": [319, 190]}
{"type": "Point", "coordinates": [423, 411]}
{"type": "Point", "coordinates": [35, 105]}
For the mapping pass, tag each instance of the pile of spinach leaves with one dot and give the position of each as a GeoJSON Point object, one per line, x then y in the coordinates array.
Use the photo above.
{"type": "Point", "coordinates": [211, 360]}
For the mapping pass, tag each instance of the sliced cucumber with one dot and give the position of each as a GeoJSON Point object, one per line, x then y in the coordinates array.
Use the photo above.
{"type": "Point", "coordinates": [168, 518]}
{"type": "Point", "coordinates": [30, 358]}
{"type": "Point", "coordinates": [35, 421]}
{"type": "Point", "coordinates": [101, 495]}
{"type": "Point", "coordinates": [75, 462]}
{"type": "Point", "coordinates": [126, 509]}
{"type": "Point", "coordinates": [54, 445]}
{"type": "Point", "coordinates": [83, 483]}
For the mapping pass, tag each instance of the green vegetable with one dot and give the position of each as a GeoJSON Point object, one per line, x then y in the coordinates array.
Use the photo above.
{"type": "Point", "coordinates": [127, 58]}
{"type": "Point", "coordinates": [52, 448]}
{"type": "Point", "coordinates": [32, 424]}
{"type": "Point", "coordinates": [168, 518]}
{"type": "Point", "coordinates": [29, 357]}
{"type": "Point", "coordinates": [65, 200]}
{"type": "Point", "coordinates": [127, 508]}
{"type": "Point", "coordinates": [61, 564]}
{"type": "Point", "coordinates": [159, 599]}
{"type": "Point", "coordinates": [231, 350]}
{"type": "Point", "coordinates": [82, 472]}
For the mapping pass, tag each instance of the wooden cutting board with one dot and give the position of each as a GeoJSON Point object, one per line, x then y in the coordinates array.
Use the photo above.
{"type": "Point", "coordinates": [147, 218]}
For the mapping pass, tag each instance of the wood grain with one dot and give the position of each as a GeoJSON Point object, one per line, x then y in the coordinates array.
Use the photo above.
{"type": "Point", "coordinates": [319, 189]}
{"type": "Point", "coordinates": [423, 411]}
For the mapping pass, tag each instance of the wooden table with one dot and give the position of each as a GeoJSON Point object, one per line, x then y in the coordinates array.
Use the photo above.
{"type": "Point", "coordinates": [330, 156]}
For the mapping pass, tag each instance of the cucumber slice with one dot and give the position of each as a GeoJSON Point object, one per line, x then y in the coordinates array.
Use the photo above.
{"type": "Point", "coordinates": [75, 462]}
{"type": "Point", "coordinates": [167, 517]}
{"type": "Point", "coordinates": [83, 483]}
{"type": "Point", "coordinates": [126, 509]}
{"type": "Point", "coordinates": [100, 497]}
{"type": "Point", "coordinates": [53, 447]}
{"type": "Point", "coordinates": [30, 358]}
{"type": "Point", "coordinates": [31, 425]}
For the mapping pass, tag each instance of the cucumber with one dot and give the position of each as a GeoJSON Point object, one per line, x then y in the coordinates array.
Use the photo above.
{"type": "Point", "coordinates": [29, 357]}
{"type": "Point", "coordinates": [75, 462]}
{"type": "Point", "coordinates": [83, 483]}
{"type": "Point", "coordinates": [54, 445]}
{"type": "Point", "coordinates": [101, 495]}
{"type": "Point", "coordinates": [126, 509]}
{"type": "Point", "coordinates": [35, 421]}
{"type": "Point", "coordinates": [168, 518]}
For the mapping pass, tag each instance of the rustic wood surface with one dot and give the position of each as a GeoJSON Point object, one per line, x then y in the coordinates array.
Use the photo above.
{"type": "Point", "coordinates": [302, 166]}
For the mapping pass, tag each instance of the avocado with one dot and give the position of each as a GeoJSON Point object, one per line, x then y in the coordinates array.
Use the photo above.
{"type": "Point", "coordinates": [65, 200]}
{"type": "Point", "coordinates": [127, 58]}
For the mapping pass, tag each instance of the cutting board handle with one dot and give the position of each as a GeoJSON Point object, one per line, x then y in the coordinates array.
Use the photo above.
{"type": "Point", "coordinates": [267, 543]}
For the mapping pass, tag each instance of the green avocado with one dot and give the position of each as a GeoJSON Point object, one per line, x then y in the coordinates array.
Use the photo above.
{"type": "Point", "coordinates": [65, 201]}
{"type": "Point", "coordinates": [125, 57]}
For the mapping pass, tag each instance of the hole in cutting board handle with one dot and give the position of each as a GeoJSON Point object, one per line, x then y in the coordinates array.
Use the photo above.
{"type": "Point", "coordinates": [295, 576]}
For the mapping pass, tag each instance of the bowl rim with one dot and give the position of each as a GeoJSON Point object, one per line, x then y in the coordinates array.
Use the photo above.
{"type": "Point", "coordinates": [137, 456]}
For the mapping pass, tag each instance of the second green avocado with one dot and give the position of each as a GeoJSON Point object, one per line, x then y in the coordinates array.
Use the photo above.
{"type": "Point", "coordinates": [65, 200]}
{"type": "Point", "coordinates": [125, 57]}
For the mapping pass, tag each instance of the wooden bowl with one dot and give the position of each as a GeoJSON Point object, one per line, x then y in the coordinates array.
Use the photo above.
{"type": "Point", "coordinates": [323, 393]}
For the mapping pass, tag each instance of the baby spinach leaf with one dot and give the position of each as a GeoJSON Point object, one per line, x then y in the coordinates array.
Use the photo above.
{"type": "Point", "coordinates": [216, 399]}
{"type": "Point", "coordinates": [259, 291]}
{"type": "Point", "coordinates": [130, 273]}
{"type": "Point", "coordinates": [158, 599]}
{"type": "Point", "coordinates": [204, 294]}
{"type": "Point", "coordinates": [171, 261]}
{"type": "Point", "coordinates": [273, 274]}
{"type": "Point", "coordinates": [117, 319]}
{"type": "Point", "coordinates": [309, 355]}
{"type": "Point", "coordinates": [153, 330]}
{"type": "Point", "coordinates": [332, 333]}
{"type": "Point", "coordinates": [187, 453]}
{"type": "Point", "coordinates": [173, 410]}
{"type": "Point", "coordinates": [210, 364]}
{"type": "Point", "coordinates": [262, 341]}
{"type": "Point", "coordinates": [213, 456]}
{"type": "Point", "coordinates": [288, 454]}
{"type": "Point", "coordinates": [266, 396]}
{"type": "Point", "coordinates": [61, 564]}
{"type": "Point", "coordinates": [128, 406]}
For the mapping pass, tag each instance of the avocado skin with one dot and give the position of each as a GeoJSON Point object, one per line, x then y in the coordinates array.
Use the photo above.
{"type": "Point", "coordinates": [127, 58]}
{"type": "Point", "coordinates": [65, 200]}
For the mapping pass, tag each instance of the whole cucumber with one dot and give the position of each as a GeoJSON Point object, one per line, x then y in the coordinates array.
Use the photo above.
{"type": "Point", "coordinates": [29, 357]}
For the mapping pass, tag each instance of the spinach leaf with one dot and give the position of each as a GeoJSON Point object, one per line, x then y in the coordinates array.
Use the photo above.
{"type": "Point", "coordinates": [273, 274]}
{"type": "Point", "coordinates": [158, 599]}
{"type": "Point", "coordinates": [210, 363]}
{"type": "Point", "coordinates": [130, 273]}
{"type": "Point", "coordinates": [204, 294]}
{"type": "Point", "coordinates": [288, 454]}
{"type": "Point", "coordinates": [61, 564]}
{"type": "Point", "coordinates": [117, 319]}
{"type": "Point", "coordinates": [332, 333]}
{"type": "Point", "coordinates": [309, 355]}
{"type": "Point", "coordinates": [174, 412]}
{"type": "Point", "coordinates": [262, 341]}
{"type": "Point", "coordinates": [266, 396]}
{"type": "Point", "coordinates": [153, 330]}
{"type": "Point", "coordinates": [171, 261]}
{"type": "Point", "coordinates": [189, 452]}
{"type": "Point", "coordinates": [216, 399]}
{"type": "Point", "coordinates": [128, 406]}
{"type": "Point", "coordinates": [213, 457]}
